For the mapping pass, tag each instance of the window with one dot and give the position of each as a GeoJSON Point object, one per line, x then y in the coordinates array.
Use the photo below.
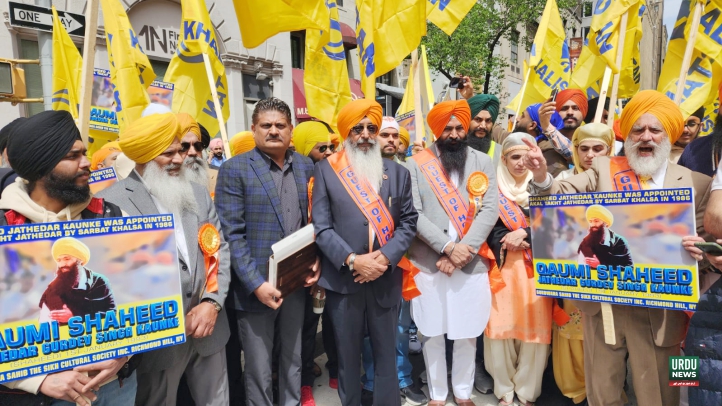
{"type": "Point", "coordinates": [587, 9]}
{"type": "Point", "coordinates": [386, 78]}
{"type": "Point", "coordinates": [159, 67]}
{"type": "Point", "coordinates": [514, 40]}
{"type": "Point", "coordinates": [256, 89]}
{"type": "Point", "coordinates": [585, 32]}
{"type": "Point", "coordinates": [33, 79]}
{"type": "Point", "coordinates": [297, 45]}
{"type": "Point", "coordinates": [339, 3]}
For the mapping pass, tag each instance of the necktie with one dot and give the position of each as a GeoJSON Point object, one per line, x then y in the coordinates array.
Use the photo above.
{"type": "Point", "coordinates": [644, 180]}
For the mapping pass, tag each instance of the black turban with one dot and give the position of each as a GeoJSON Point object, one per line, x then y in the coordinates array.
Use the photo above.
{"type": "Point", "coordinates": [6, 131]}
{"type": "Point", "coordinates": [205, 137]}
{"type": "Point", "coordinates": [592, 111]}
{"type": "Point", "coordinates": [46, 138]}
{"type": "Point", "coordinates": [699, 114]}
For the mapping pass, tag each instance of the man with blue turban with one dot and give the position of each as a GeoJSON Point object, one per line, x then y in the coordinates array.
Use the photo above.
{"type": "Point", "coordinates": [530, 123]}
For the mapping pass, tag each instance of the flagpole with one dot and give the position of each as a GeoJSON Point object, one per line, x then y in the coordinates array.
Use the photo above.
{"type": "Point", "coordinates": [615, 84]}
{"type": "Point", "coordinates": [523, 89]}
{"type": "Point", "coordinates": [217, 105]}
{"type": "Point", "coordinates": [419, 132]}
{"type": "Point", "coordinates": [688, 53]}
{"type": "Point", "coordinates": [86, 78]}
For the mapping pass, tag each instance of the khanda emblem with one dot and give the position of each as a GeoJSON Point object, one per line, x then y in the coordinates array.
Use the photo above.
{"type": "Point", "coordinates": [334, 49]}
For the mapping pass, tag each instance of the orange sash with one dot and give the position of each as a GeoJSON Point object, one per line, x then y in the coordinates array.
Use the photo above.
{"type": "Point", "coordinates": [366, 199]}
{"type": "Point", "coordinates": [513, 218]}
{"type": "Point", "coordinates": [623, 177]}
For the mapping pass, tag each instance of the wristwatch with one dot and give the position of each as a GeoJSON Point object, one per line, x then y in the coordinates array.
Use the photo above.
{"type": "Point", "coordinates": [214, 303]}
{"type": "Point", "coordinates": [351, 260]}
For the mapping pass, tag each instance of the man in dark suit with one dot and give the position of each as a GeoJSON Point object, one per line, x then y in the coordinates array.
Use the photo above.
{"type": "Point", "coordinates": [361, 245]}
{"type": "Point", "coordinates": [262, 197]}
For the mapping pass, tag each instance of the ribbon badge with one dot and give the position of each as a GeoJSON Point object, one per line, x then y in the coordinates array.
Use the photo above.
{"type": "Point", "coordinates": [477, 185]}
{"type": "Point", "coordinates": [209, 239]}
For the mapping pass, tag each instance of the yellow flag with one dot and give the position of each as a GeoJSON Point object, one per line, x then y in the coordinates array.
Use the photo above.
{"type": "Point", "coordinates": [386, 33]}
{"type": "Point", "coordinates": [325, 78]}
{"type": "Point", "coordinates": [67, 69]}
{"type": "Point", "coordinates": [705, 69]}
{"type": "Point", "coordinates": [605, 26]}
{"type": "Point", "coordinates": [549, 61]}
{"type": "Point", "coordinates": [447, 14]}
{"type": "Point", "coordinates": [589, 70]}
{"type": "Point", "coordinates": [420, 78]}
{"type": "Point", "coordinates": [187, 72]}
{"type": "Point", "coordinates": [130, 70]}
{"type": "Point", "coordinates": [261, 19]}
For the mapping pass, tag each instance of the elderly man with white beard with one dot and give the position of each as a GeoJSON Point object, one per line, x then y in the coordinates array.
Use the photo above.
{"type": "Point", "coordinates": [158, 185]}
{"type": "Point", "coordinates": [651, 123]}
{"type": "Point", "coordinates": [364, 218]}
{"type": "Point", "coordinates": [196, 167]}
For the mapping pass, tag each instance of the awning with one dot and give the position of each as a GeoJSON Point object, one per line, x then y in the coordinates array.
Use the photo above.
{"type": "Point", "coordinates": [349, 36]}
{"type": "Point", "coordinates": [396, 92]}
{"type": "Point", "coordinates": [299, 94]}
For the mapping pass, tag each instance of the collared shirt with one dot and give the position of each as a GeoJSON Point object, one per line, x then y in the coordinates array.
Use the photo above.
{"type": "Point", "coordinates": [180, 237]}
{"type": "Point", "coordinates": [657, 181]}
{"type": "Point", "coordinates": [215, 161]}
{"type": "Point", "coordinates": [287, 192]}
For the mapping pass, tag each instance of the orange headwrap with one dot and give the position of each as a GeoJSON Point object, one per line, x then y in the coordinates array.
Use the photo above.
{"type": "Point", "coordinates": [656, 104]}
{"type": "Point", "coordinates": [575, 95]}
{"type": "Point", "coordinates": [188, 125]}
{"type": "Point", "coordinates": [352, 113]}
{"type": "Point", "coordinates": [440, 115]}
{"type": "Point", "coordinates": [100, 155]}
{"type": "Point", "coordinates": [242, 143]}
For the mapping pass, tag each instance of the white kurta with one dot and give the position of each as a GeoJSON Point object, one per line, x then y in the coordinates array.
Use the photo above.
{"type": "Point", "coordinates": [456, 305]}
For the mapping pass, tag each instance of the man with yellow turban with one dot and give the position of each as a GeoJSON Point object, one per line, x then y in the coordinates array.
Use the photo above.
{"type": "Point", "coordinates": [404, 142]}
{"type": "Point", "coordinates": [451, 181]}
{"type": "Point", "coordinates": [364, 220]}
{"type": "Point", "coordinates": [105, 157]}
{"type": "Point", "coordinates": [196, 168]}
{"type": "Point", "coordinates": [76, 290]}
{"type": "Point", "coordinates": [158, 184]}
{"type": "Point", "coordinates": [314, 139]}
{"type": "Point", "coordinates": [650, 123]}
{"type": "Point", "coordinates": [50, 160]}
{"type": "Point", "coordinates": [242, 143]}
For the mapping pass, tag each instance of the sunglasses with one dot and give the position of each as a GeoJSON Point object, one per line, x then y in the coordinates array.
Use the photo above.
{"type": "Point", "coordinates": [323, 148]}
{"type": "Point", "coordinates": [186, 146]}
{"type": "Point", "coordinates": [359, 129]}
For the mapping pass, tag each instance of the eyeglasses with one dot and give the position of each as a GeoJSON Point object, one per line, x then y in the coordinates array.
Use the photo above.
{"type": "Point", "coordinates": [186, 146]}
{"type": "Point", "coordinates": [691, 125]}
{"type": "Point", "coordinates": [323, 148]}
{"type": "Point", "coordinates": [359, 129]}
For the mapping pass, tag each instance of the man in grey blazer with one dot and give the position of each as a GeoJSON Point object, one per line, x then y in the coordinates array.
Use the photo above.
{"type": "Point", "coordinates": [157, 185]}
{"type": "Point", "coordinates": [455, 297]}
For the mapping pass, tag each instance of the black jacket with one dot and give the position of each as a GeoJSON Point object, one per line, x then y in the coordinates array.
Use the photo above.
{"type": "Point", "coordinates": [704, 339]}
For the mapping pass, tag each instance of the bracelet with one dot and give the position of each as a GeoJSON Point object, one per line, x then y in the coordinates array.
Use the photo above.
{"type": "Point", "coordinates": [452, 249]}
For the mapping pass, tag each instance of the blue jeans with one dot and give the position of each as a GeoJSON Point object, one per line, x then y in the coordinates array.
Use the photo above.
{"type": "Point", "coordinates": [403, 365]}
{"type": "Point", "coordinates": [111, 394]}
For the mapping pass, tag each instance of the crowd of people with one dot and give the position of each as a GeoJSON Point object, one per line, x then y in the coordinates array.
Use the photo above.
{"type": "Point", "coordinates": [414, 240]}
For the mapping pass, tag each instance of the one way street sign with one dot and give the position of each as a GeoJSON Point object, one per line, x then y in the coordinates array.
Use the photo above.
{"type": "Point", "coordinates": [41, 18]}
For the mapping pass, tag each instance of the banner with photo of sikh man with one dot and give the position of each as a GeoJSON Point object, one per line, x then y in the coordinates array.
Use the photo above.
{"type": "Point", "coordinates": [616, 247]}
{"type": "Point", "coordinates": [79, 292]}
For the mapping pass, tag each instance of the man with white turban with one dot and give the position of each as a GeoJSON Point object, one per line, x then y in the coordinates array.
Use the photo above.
{"type": "Point", "coordinates": [158, 185]}
{"type": "Point", "coordinates": [650, 123]}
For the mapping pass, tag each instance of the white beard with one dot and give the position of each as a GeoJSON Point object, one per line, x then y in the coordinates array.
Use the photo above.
{"type": "Point", "coordinates": [646, 166]}
{"type": "Point", "coordinates": [175, 193]}
{"type": "Point", "coordinates": [196, 170]}
{"type": "Point", "coordinates": [367, 165]}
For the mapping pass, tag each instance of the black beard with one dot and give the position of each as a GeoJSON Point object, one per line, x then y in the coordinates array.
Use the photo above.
{"type": "Point", "coordinates": [597, 234]}
{"type": "Point", "coordinates": [64, 189]}
{"type": "Point", "coordinates": [480, 144]}
{"type": "Point", "coordinates": [453, 155]}
{"type": "Point", "coordinates": [571, 126]}
{"type": "Point", "coordinates": [69, 276]}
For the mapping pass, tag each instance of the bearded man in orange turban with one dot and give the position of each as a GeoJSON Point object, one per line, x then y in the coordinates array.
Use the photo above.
{"type": "Point", "coordinates": [650, 124]}
{"type": "Point", "coordinates": [364, 220]}
{"type": "Point", "coordinates": [453, 278]}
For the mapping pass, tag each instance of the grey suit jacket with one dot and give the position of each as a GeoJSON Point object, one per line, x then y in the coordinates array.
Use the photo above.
{"type": "Point", "coordinates": [433, 224]}
{"type": "Point", "coordinates": [135, 200]}
{"type": "Point", "coordinates": [668, 326]}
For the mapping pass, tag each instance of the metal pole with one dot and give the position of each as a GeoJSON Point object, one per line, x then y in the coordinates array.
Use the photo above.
{"type": "Point", "coordinates": [45, 48]}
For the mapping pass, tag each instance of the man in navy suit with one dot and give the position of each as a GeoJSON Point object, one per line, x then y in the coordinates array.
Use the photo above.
{"type": "Point", "coordinates": [262, 197]}
{"type": "Point", "coordinates": [364, 218]}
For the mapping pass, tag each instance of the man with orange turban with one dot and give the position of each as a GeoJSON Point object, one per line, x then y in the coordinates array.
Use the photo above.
{"type": "Point", "coordinates": [650, 124]}
{"type": "Point", "coordinates": [242, 143]}
{"type": "Point", "coordinates": [404, 142]}
{"type": "Point", "coordinates": [105, 156]}
{"type": "Point", "coordinates": [158, 185]}
{"type": "Point", "coordinates": [453, 279]}
{"type": "Point", "coordinates": [364, 220]}
{"type": "Point", "coordinates": [571, 105]}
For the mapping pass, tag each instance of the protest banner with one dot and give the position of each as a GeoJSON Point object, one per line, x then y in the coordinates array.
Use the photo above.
{"type": "Point", "coordinates": [102, 179]}
{"type": "Point", "coordinates": [636, 258]}
{"type": "Point", "coordinates": [127, 299]}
